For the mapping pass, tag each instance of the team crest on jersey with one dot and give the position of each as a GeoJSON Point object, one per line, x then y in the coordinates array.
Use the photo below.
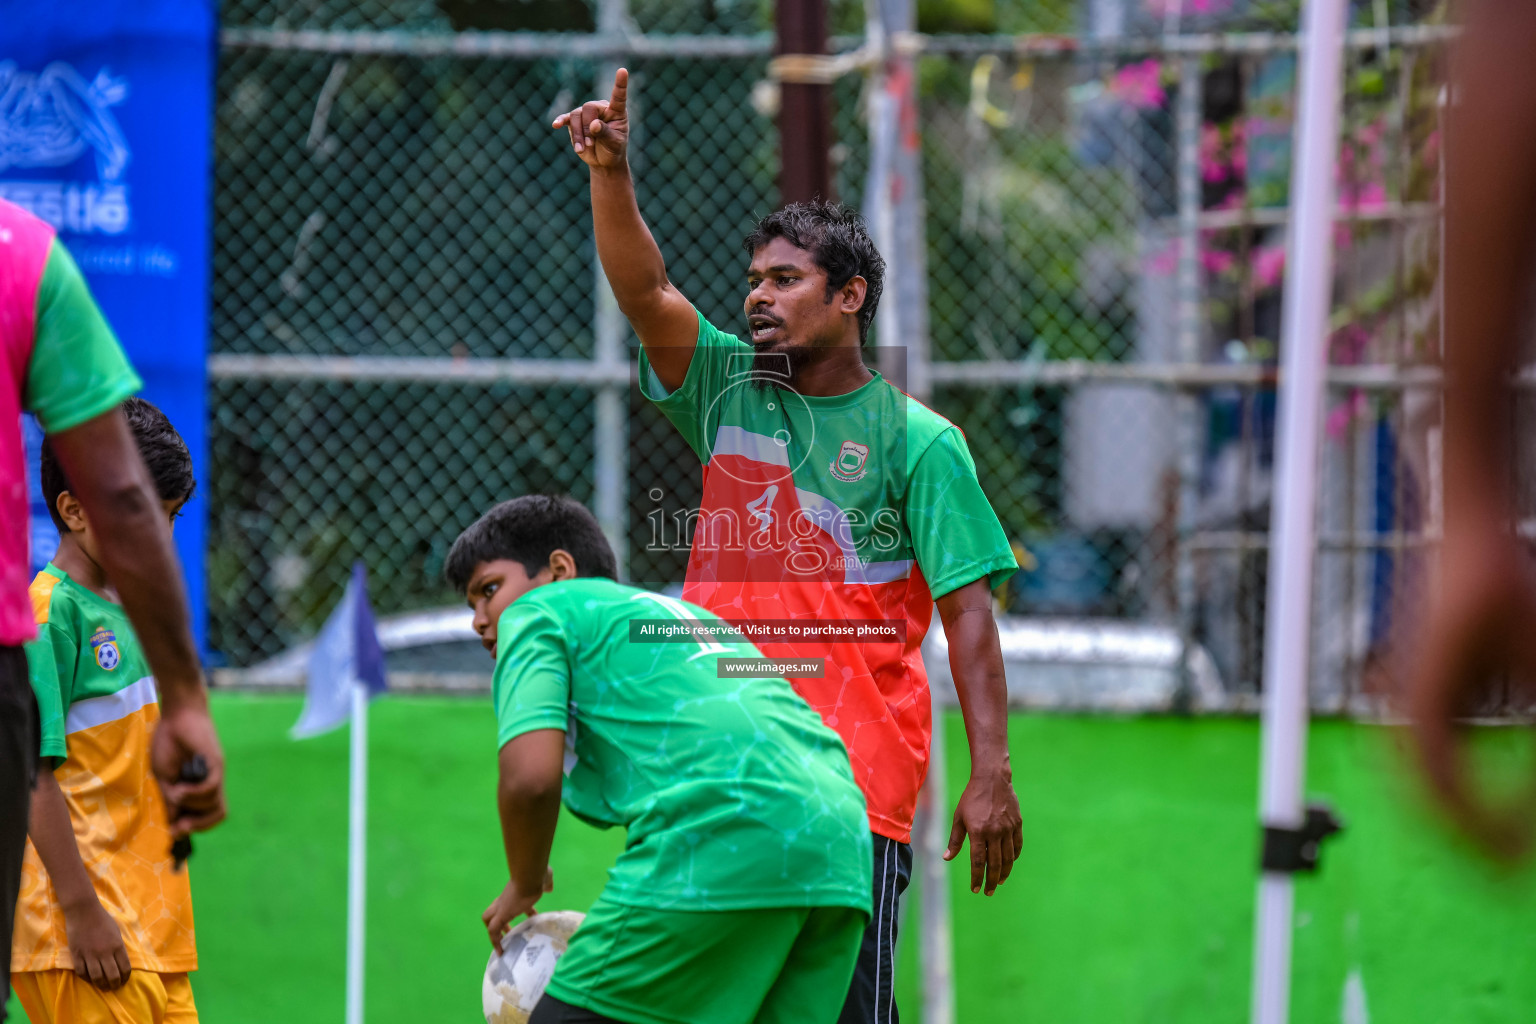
{"type": "Point", "coordinates": [104, 643]}
{"type": "Point", "coordinates": [850, 462]}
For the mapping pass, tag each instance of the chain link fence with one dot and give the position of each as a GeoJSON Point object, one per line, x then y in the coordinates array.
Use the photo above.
{"type": "Point", "coordinates": [409, 322]}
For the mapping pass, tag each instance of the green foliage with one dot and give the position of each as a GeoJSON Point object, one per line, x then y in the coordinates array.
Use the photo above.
{"type": "Point", "coordinates": [985, 17]}
{"type": "Point", "coordinates": [1050, 16]}
{"type": "Point", "coordinates": [1274, 15]}
{"type": "Point", "coordinates": [1015, 214]}
{"type": "Point", "coordinates": [979, 16]}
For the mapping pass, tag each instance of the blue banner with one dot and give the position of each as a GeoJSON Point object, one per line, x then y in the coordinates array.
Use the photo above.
{"type": "Point", "coordinates": [106, 125]}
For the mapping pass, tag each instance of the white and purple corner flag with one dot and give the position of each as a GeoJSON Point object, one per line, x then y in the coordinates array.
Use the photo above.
{"type": "Point", "coordinates": [347, 655]}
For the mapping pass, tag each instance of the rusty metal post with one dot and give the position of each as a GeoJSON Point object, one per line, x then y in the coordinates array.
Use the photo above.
{"type": "Point", "coordinates": [805, 109]}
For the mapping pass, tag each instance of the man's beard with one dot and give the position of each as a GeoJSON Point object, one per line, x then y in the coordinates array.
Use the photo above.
{"type": "Point", "coordinates": [777, 367]}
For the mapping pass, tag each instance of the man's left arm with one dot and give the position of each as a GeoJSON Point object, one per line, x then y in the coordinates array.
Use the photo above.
{"type": "Point", "coordinates": [963, 553]}
{"type": "Point", "coordinates": [988, 810]}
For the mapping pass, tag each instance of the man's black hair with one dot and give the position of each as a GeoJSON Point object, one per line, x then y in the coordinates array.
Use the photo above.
{"type": "Point", "coordinates": [161, 448]}
{"type": "Point", "coordinates": [527, 530]}
{"type": "Point", "coordinates": [837, 240]}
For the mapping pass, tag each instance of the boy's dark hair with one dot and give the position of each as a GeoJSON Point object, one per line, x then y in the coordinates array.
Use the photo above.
{"type": "Point", "coordinates": [527, 530]}
{"type": "Point", "coordinates": [837, 240]}
{"type": "Point", "coordinates": [161, 448]}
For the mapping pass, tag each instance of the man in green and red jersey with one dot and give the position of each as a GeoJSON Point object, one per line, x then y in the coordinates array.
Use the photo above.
{"type": "Point", "coordinates": [831, 501]}
{"type": "Point", "coordinates": [59, 359]}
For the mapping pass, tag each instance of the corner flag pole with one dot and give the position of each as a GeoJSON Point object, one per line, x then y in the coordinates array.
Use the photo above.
{"type": "Point", "coordinates": [1287, 632]}
{"type": "Point", "coordinates": [346, 670]}
{"type": "Point", "coordinates": [357, 850]}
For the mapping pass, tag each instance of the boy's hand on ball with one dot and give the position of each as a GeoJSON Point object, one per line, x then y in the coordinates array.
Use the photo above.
{"type": "Point", "coordinates": [512, 904]}
{"type": "Point", "coordinates": [600, 131]}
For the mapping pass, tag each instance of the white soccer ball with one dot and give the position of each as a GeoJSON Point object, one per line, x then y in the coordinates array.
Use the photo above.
{"type": "Point", "coordinates": [516, 977]}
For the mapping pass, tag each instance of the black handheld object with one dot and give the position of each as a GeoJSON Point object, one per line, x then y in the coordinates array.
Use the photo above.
{"type": "Point", "coordinates": [194, 769]}
{"type": "Point", "coordinates": [1296, 849]}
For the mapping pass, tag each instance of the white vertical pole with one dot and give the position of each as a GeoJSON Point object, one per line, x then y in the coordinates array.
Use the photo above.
{"type": "Point", "coordinates": [1287, 632]}
{"type": "Point", "coordinates": [936, 944]}
{"type": "Point", "coordinates": [357, 850]}
{"type": "Point", "coordinates": [879, 209]}
{"type": "Point", "coordinates": [611, 421]}
{"type": "Point", "coordinates": [611, 425]}
{"type": "Point", "coordinates": [1190, 424]}
{"type": "Point", "coordinates": [901, 323]}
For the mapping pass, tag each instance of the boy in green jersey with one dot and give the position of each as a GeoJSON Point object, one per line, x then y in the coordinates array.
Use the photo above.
{"type": "Point", "coordinates": [735, 898]}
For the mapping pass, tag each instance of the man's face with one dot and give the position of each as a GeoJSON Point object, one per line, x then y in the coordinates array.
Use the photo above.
{"type": "Point", "coordinates": [492, 587]}
{"type": "Point", "coordinates": [790, 317]}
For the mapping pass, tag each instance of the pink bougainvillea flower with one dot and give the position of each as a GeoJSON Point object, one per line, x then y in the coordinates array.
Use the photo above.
{"type": "Point", "coordinates": [1268, 265]}
{"type": "Point", "coordinates": [1140, 85]}
{"type": "Point", "coordinates": [1371, 196]}
{"type": "Point", "coordinates": [1363, 198]}
{"type": "Point", "coordinates": [1216, 261]}
{"type": "Point", "coordinates": [1239, 149]}
{"type": "Point", "coordinates": [1348, 345]}
{"type": "Point", "coordinates": [1361, 170]}
{"type": "Point", "coordinates": [1343, 414]}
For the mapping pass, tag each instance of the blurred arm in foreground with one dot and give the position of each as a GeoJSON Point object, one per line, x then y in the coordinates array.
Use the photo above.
{"type": "Point", "coordinates": [1483, 619]}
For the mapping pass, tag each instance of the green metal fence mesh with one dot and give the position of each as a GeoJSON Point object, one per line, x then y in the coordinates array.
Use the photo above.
{"type": "Point", "coordinates": [380, 198]}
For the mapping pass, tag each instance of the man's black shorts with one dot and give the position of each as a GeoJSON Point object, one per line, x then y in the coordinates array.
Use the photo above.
{"type": "Point", "coordinates": [872, 997]}
{"type": "Point", "coordinates": [18, 769]}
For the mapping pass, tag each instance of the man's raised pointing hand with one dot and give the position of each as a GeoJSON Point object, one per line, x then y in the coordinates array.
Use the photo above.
{"type": "Point", "coordinates": [600, 131]}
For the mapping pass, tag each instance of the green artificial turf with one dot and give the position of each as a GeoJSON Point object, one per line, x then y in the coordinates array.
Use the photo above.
{"type": "Point", "coordinates": [1133, 900]}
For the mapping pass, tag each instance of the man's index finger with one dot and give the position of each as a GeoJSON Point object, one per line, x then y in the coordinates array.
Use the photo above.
{"type": "Point", "coordinates": [620, 88]}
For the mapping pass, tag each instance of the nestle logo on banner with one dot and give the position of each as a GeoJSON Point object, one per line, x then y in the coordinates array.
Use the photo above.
{"type": "Point", "coordinates": [52, 118]}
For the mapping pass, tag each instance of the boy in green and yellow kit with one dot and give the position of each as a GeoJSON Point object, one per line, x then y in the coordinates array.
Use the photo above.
{"type": "Point", "coordinates": [104, 920]}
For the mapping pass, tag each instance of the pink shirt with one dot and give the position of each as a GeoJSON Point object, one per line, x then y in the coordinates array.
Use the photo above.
{"type": "Point", "coordinates": [58, 359]}
{"type": "Point", "coordinates": [25, 243]}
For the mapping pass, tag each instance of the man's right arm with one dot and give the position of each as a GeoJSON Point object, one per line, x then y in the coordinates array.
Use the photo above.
{"type": "Point", "coordinates": [102, 464]}
{"type": "Point", "coordinates": [662, 317]}
{"type": "Point", "coordinates": [76, 379]}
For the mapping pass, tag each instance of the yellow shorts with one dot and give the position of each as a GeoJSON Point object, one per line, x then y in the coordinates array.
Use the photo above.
{"type": "Point", "coordinates": [62, 997]}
